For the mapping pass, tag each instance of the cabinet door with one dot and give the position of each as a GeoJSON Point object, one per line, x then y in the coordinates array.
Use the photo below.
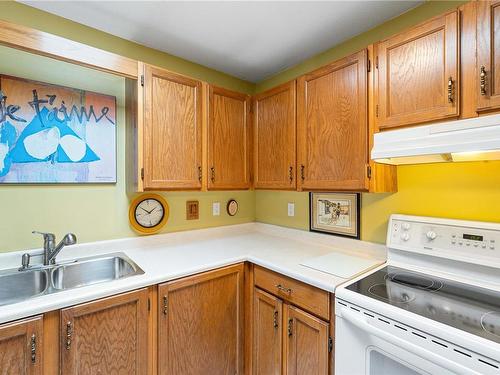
{"type": "Point", "coordinates": [333, 126]}
{"type": "Point", "coordinates": [267, 323]}
{"type": "Point", "coordinates": [418, 78]}
{"type": "Point", "coordinates": [274, 138]}
{"type": "Point", "coordinates": [172, 131]}
{"type": "Point", "coordinates": [20, 347]}
{"type": "Point", "coordinates": [200, 325]}
{"type": "Point", "coordinates": [306, 342]}
{"type": "Point", "coordinates": [488, 54]}
{"type": "Point", "coordinates": [108, 336]}
{"type": "Point", "coordinates": [228, 139]}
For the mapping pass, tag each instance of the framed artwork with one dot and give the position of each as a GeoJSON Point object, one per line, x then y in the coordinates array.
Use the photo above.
{"type": "Point", "coordinates": [52, 134]}
{"type": "Point", "coordinates": [335, 213]}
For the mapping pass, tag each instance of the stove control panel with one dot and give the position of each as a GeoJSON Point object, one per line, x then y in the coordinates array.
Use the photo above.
{"type": "Point", "coordinates": [424, 234]}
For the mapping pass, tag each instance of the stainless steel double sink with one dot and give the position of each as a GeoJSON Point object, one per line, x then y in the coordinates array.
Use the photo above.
{"type": "Point", "coordinates": [19, 285]}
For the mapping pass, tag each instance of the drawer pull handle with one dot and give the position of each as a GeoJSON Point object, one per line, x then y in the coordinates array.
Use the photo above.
{"type": "Point", "coordinates": [290, 327]}
{"type": "Point", "coordinates": [450, 90]}
{"type": "Point", "coordinates": [69, 333]}
{"type": "Point", "coordinates": [275, 320]}
{"type": "Point", "coordinates": [165, 305]}
{"type": "Point", "coordinates": [33, 348]}
{"type": "Point", "coordinates": [283, 289]}
{"type": "Point", "coordinates": [482, 79]}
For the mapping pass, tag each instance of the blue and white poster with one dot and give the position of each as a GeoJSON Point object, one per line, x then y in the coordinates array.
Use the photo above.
{"type": "Point", "coordinates": [52, 134]}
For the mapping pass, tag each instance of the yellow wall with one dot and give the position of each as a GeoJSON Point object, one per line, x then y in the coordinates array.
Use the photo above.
{"type": "Point", "coordinates": [92, 212]}
{"type": "Point", "coordinates": [459, 190]}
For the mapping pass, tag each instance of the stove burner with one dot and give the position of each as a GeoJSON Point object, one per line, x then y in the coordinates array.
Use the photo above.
{"type": "Point", "coordinates": [490, 322]}
{"type": "Point", "coordinates": [416, 281]}
{"type": "Point", "coordinates": [380, 290]}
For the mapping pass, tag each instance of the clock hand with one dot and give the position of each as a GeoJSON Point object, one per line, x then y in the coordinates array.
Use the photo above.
{"type": "Point", "coordinates": [145, 210]}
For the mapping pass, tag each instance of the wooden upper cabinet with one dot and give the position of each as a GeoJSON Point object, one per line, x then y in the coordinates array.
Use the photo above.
{"type": "Point", "coordinates": [21, 347]}
{"type": "Point", "coordinates": [172, 131]}
{"type": "Point", "coordinates": [228, 139]}
{"type": "Point", "coordinates": [418, 74]}
{"type": "Point", "coordinates": [332, 126]}
{"type": "Point", "coordinates": [200, 324]}
{"type": "Point", "coordinates": [267, 334]}
{"type": "Point", "coordinates": [488, 54]}
{"type": "Point", "coordinates": [306, 343]}
{"type": "Point", "coordinates": [275, 138]}
{"type": "Point", "coordinates": [108, 336]}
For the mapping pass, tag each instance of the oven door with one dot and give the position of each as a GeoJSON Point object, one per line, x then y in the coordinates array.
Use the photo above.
{"type": "Point", "coordinates": [365, 347]}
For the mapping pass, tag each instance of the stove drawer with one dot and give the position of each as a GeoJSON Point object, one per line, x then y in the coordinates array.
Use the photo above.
{"type": "Point", "coordinates": [307, 297]}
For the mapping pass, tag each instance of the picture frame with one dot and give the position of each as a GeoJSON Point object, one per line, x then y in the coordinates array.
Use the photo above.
{"type": "Point", "coordinates": [335, 213]}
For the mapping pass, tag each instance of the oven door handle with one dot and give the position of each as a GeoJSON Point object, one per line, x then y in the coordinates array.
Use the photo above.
{"type": "Point", "coordinates": [362, 324]}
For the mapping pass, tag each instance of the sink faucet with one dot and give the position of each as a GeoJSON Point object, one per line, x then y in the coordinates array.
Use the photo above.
{"type": "Point", "coordinates": [50, 249]}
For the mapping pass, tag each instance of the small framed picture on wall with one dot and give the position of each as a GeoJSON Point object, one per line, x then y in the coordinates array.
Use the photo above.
{"type": "Point", "coordinates": [335, 213]}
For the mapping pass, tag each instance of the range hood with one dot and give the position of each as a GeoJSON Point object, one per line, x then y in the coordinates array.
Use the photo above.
{"type": "Point", "coordinates": [461, 140]}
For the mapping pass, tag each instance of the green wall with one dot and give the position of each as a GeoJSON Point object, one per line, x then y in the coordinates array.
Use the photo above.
{"type": "Point", "coordinates": [92, 212]}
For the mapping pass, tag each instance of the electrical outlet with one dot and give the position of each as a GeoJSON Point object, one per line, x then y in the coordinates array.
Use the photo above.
{"type": "Point", "coordinates": [291, 209]}
{"type": "Point", "coordinates": [216, 208]}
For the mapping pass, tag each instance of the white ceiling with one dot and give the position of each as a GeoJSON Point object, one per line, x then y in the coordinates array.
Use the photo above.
{"type": "Point", "coordinates": [251, 40]}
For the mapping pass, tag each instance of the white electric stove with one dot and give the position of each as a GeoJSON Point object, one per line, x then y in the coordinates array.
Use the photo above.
{"type": "Point", "coordinates": [434, 308]}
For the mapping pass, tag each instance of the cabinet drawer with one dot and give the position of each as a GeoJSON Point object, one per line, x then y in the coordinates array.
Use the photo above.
{"type": "Point", "coordinates": [300, 294]}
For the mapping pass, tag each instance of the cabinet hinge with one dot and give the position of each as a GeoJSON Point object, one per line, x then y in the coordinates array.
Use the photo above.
{"type": "Point", "coordinates": [376, 62]}
{"type": "Point", "coordinates": [369, 66]}
{"type": "Point", "coordinates": [142, 80]}
{"type": "Point", "coordinates": [330, 344]}
{"type": "Point", "coordinates": [369, 171]}
{"type": "Point", "coordinates": [142, 174]}
{"type": "Point", "coordinates": [376, 110]}
{"type": "Point", "coordinates": [149, 304]}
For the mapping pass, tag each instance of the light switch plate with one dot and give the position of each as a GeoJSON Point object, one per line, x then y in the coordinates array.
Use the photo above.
{"type": "Point", "coordinates": [291, 209]}
{"type": "Point", "coordinates": [216, 208]}
{"type": "Point", "coordinates": [192, 210]}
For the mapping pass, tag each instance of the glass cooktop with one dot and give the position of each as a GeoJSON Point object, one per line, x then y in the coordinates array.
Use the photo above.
{"type": "Point", "coordinates": [469, 308]}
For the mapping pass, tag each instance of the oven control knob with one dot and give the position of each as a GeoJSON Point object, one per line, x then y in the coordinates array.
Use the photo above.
{"type": "Point", "coordinates": [431, 235]}
{"type": "Point", "coordinates": [405, 226]}
{"type": "Point", "coordinates": [405, 236]}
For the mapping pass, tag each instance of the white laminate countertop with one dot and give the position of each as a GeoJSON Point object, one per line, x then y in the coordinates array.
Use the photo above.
{"type": "Point", "coordinates": [170, 256]}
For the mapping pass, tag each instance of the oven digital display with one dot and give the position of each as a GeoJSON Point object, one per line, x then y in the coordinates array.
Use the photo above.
{"type": "Point", "coordinates": [473, 237]}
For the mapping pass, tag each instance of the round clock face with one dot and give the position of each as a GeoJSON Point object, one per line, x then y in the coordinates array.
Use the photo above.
{"type": "Point", "coordinates": [149, 213]}
{"type": "Point", "coordinates": [232, 207]}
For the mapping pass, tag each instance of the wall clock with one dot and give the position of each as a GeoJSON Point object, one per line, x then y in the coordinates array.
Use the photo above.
{"type": "Point", "coordinates": [148, 213]}
{"type": "Point", "coordinates": [232, 207]}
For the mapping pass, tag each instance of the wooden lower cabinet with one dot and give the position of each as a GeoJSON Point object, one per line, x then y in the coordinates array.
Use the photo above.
{"type": "Point", "coordinates": [20, 347]}
{"type": "Point", "coordinates": [200, 324]}
{"type": "Point", "coordinates": [268, 334]}
{"type": "Point", "coordinates": [306, 343]}
{"type": "Point", "coordinates": [107, 336]}
{"type": "Point", "coordinates": [286, 339]}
